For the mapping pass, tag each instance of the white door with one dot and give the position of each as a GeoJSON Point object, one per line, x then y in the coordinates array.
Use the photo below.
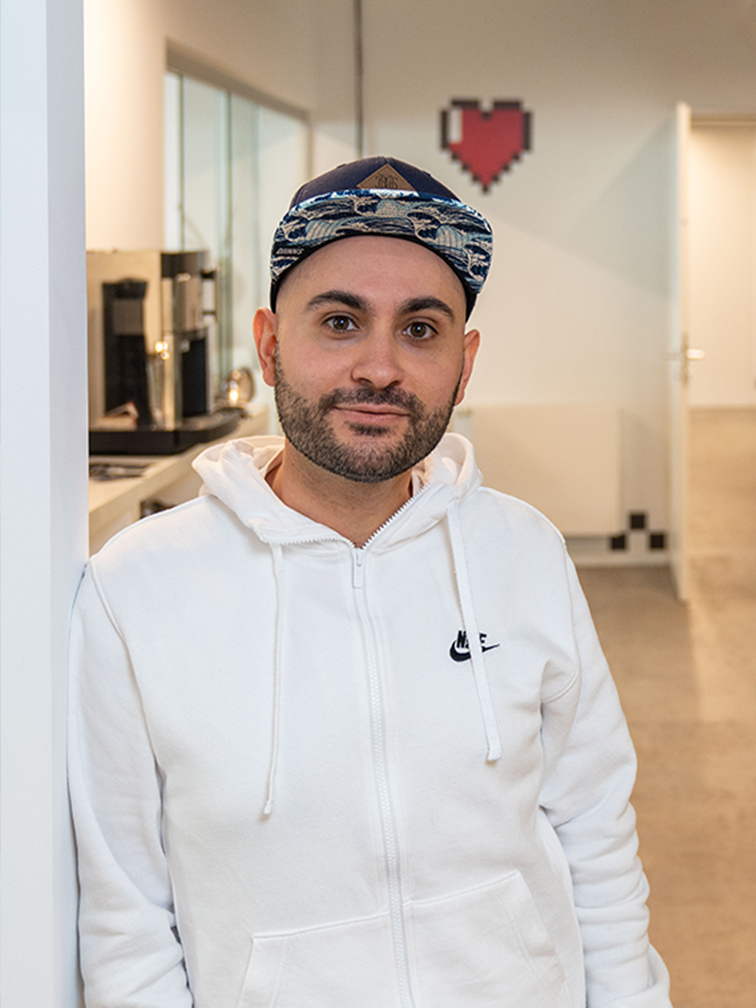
{"type": "Point", "coordinates": [679, 363]}
{"type": "Point", "coordinates": [722, 202]}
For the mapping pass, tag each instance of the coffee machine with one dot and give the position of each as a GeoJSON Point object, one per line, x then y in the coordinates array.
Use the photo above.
{"type": "Point", "coordinates": [152, 326]}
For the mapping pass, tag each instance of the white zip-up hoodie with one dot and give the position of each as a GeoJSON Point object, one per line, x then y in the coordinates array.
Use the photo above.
{"type": "Point", "coordinates": [306, 775]}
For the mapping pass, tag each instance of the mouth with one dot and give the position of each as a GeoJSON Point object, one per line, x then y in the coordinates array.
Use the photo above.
{"type": "Point", "coordinates": [370, 414]}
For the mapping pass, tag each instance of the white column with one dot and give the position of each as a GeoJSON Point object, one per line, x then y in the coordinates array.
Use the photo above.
{"type": "Point", "coordinates": [43, 489]}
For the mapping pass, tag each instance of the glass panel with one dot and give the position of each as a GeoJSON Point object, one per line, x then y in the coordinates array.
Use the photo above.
{"type": "Point", "coordinates": [204, 153]}
{"type": "Point", "coordinates": [206, 219]}
{"type": "Point", "coordinates": [245, 241]}
{"type": "Point", "coordinates": [283, 169]}
{"type": "Point", "coordinates": [172, 153]}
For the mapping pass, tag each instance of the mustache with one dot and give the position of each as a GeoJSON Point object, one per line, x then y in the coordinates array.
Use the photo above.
{"type": "Point", "coordinates": [375, 397]}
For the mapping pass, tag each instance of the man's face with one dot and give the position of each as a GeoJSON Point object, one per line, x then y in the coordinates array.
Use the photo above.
{"type": "Point", "coordinates": [368, 355]}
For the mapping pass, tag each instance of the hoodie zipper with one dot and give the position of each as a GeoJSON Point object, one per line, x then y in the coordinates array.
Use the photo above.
{"type": "Point", "coordinates": [380, 767]}
{"type": "Point", "coordinates": [392, 518]}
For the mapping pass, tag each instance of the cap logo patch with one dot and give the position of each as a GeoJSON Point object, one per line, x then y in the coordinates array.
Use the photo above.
{"type": "Point", "coordinates": [386, 177]}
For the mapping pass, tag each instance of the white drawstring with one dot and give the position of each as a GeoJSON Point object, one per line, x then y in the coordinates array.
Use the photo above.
{"type": "Point", "coordinates": [482, 686]}
{"type": "Point", "coordinates": [480, 677]}
{"type": "Point", "coordinates": [278, 570]}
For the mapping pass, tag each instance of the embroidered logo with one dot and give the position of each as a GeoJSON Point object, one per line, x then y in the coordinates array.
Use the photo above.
{"type": "Point", "coordinates": [460, 649]}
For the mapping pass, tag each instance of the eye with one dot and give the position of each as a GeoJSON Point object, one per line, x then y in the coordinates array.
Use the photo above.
{"type": "Point", "coordinates": [420, 330]}
{"type": "Point", "coordinates": [340, 323]}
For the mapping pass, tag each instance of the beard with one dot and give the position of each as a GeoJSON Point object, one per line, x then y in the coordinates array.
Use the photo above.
{"type": "Point", "coordinates": [309, 428]}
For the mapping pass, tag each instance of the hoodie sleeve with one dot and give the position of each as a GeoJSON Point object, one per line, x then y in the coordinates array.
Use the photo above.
{"type": "Point", "coordinates": [130, 952]}
{"type": "Point", "coordinates": [587, 800]}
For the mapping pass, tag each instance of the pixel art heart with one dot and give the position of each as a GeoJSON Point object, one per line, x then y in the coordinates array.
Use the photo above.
{"type": "Point", "coordinates": [485, 143]}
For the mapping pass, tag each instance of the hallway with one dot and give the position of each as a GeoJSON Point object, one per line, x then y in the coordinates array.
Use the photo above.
{"type": "Point", "coordinates": [687, 677]}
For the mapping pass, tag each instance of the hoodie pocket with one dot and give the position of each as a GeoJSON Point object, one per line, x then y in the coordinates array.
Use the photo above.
{"type": "Point", "coordinates": [350, 963]}
{"type": "Point", "coordinates": [485, 946]}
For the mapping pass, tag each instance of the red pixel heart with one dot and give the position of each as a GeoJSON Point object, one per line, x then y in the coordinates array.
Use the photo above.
{"type": "Point", "coordinates": [488, 141]}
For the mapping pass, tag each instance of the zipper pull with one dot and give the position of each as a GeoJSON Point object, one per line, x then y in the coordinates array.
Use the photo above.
{"type": "Point", "coordinates": [358, 568]}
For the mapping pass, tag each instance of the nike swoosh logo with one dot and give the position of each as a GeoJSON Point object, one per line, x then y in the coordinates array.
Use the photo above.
{"type": "Point", "coordinates": [456, 655]}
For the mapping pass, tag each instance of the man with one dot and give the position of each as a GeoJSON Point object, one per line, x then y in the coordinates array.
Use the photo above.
{"type": "Point", "coordinates": [343, 734]}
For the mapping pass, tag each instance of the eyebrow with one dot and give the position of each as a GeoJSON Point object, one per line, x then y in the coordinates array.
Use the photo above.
{"type": "Point", "coordinates": [424, 303]}
{"type": "Point", "coordinates": [358, 303]}
{"type": "Point", "coordinates": [339, 297]}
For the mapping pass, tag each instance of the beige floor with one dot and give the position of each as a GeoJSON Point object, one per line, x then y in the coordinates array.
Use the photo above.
{"type": "Point", "coordinates": [687, 676]}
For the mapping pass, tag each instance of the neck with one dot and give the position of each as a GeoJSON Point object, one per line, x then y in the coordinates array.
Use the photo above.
{"type": "Point", "coordinates": [354, 510]}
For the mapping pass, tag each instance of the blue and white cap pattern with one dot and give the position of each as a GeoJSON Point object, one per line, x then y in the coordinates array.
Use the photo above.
{"type": "Point", "coordinates": [456, 232]}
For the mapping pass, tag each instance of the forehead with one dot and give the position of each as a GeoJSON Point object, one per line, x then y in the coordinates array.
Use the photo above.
{"type": "Point", "coordinates": [378, 268]}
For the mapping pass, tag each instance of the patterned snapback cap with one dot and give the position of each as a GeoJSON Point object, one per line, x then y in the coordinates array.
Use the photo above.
{"type": "Point", "coordinates": [383, 196]}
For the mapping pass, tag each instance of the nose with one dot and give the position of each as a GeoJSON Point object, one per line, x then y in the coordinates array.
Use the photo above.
{"type": "Point", "coordinates": [378, 359]}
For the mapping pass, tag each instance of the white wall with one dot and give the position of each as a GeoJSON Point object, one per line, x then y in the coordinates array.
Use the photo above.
{"type": "Point", "coordinates": [577, 307]}
{"type": "Point", "coordinates": [723, 264]}
{"type": "Point", "coordinates": [43, 485]}
{"type": "Point", "coordinates": [297, 51]}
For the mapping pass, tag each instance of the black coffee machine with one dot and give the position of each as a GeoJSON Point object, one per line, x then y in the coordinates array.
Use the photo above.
{"type": "Point", "coordinates": [152, 353]}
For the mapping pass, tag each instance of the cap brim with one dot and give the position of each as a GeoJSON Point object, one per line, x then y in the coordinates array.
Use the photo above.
{"type": "Point", "coordinates": [456, 232]}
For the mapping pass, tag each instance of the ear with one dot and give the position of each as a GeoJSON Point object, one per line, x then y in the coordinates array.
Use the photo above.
{"type": "Point", "coordinates": [265, 330]}
{"type": "Point", "coordinates": [472, 342]}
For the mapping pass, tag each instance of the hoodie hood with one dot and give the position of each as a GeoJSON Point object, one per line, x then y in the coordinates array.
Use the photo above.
{"type": "Point", "coordinates": [235, 471]}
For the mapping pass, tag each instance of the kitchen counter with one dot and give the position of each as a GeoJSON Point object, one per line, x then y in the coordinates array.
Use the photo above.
{"type": "Point", "coordinates": [166, 480]}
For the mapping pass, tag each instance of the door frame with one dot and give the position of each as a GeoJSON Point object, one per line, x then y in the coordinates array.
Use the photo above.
{"type": "Point", "coordinates": [677, 356]}
{"type": "Point", "coordinates": [43, 485]}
